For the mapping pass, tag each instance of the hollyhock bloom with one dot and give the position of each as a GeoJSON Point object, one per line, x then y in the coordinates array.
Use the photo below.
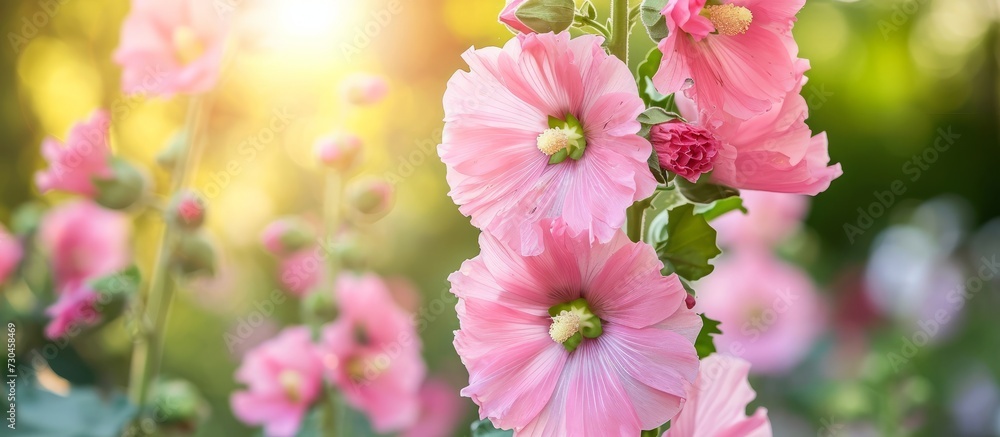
{"type": "Point", "coordinates": [284, 376]}
{"type": "Point", "coordinates": [550, 341]}
{"type": "Point", "coordinates": [171, 47]}
{"type": "Point", "coordinates": [74, 309]}
{"type": "Point", "coordinates": [508, 16]}
{"type": "Point", "coordinates": [372, 354]}
{"type": "Point", "coordinates": [773, 152]}
{"type": "Point", "coordinates": [301, 271]}
{"type": "Point", "coordinates": [684, 149]}
{"type": "Point", "coordinates": [440, 411]}
{"type": "Point", "coordinates": [10, 254]}
{"type": "Point", "coordinates": [364, 89]}
{"type": "Point", "coordinates": [545, 127]}
{"type": "Point", "coordinates": [739, 54]}
{"type": "Point", "coordinates": [85, 156]}
{"type": "Point", "coordinates": [770, 219]}
{"type": "Point", "coordinates": [85, 241]}
{"type": "Point", "coordinates": [770, 311]}
{"type": "Point", "coordinates": [716, 406]}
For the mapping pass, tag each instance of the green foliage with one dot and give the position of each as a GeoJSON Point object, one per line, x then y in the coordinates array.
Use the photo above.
{"type": "Point", "coordinates": [685, 243]}
{"type": "Point", "coordinates": [720, 207]}
{"type": "Point", "coordinates": [644, 75]}
{"type": "Point", "coordinates": [654, 22]}
{"type": "Point", "coordinates": [703, 191]}
{"type": "Point", "coordinates": [84, 412]}
{"type": "Point", "coordinates": [484, 428]}
{"type": "Point", "coordinates": [705, 343]}
{"type": "Point", "coordinates": [121, 283]}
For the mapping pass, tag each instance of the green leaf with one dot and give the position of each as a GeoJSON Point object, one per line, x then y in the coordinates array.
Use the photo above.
{"type": "Point", "coordinates": [654, 22]}
{"type": "Point", "coordinates": [544, 16]}
{"type": "Point", "coordinates": [484, 428]}
{"type": "Point", "coordinates": [705, 343]}
{"type": "Point", "coordinates": [718, 208]}
{"type": "Point", "coordinates": [644, 75]}
{"type": "Point", "coordinates": [84, 412]}
{"type": "Point", "coordinates": [686, 244]}
{"type": "Point", "coordinates": [703, 191]}
{"type": "Point", "coordinates": [121, 283]}
{"type": "Point", "coordinates": [589, 10]}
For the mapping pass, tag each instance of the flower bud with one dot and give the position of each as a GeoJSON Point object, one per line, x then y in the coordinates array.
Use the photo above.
{"type": "Point", "coordinates": [187, 211]}
{"type": "Point", "coordinates": [288, 235]}
{"type": "Point", "coordinates": [372, 198]}
{"type": "Point", "coordinates": [340, 151]}
{"type": "Point", "coordinates": [123, 188]}
{"type": "Point", "coordinates": [541, 16]}
{"type": "Point", "coordinates": [364, 89]}
{"type": "Point", "coordinates": [194, 255]}
{"type": "Point", "coordinates": [172, 152]}
{"type": "Point", "coordinates": [320, 305]}
{"type": "Point", "coordinates": [684, 149]}
{"type": "Point", "coordinates": [178, 407]}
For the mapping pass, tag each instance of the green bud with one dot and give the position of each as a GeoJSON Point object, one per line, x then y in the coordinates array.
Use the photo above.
{"type": "Point", "coordinates": [178, 406]}
{"type": "Point", "coordinates": [545, 16]}
{"type": "Point", "coordinates": [123, 189]}
{"type": "Point", "coordinates": [194, 255]}
{"type": "Point", "coordinates": [371, 198]}
{"type": "Point", "coordinates": [174, 150]}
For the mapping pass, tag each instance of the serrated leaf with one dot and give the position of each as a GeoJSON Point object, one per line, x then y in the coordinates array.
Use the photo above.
{"type": "Point", "coordinates": [544, 16]}
{"type": "Point", "coordinates": [654, 22]}
{"type": "Point", "coordinates": [718, 208]}
{"type": "Point", "coordinates": [704, 191]}
{"type": "Point", "coordinates": [705, 343]}
{"type": "Point", "coordinates": [121, 283]}
{"type": "Point", "coordinates": [687, 244]}
{"type": "Point", "coordinates": [484, 428]}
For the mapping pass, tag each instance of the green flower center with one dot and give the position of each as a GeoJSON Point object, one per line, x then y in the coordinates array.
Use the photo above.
{"type": "Point", "coordinates": [563, 139]}
{"type": "Point", "coordinates": [572, 322]}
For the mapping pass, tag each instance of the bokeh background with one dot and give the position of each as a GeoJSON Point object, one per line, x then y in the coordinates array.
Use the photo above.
{"type": "Point", "coordinates": [888, 77]}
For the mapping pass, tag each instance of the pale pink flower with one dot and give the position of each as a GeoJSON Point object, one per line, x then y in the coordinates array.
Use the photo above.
{"type": "Point", "coordinates": [85, 241]}
{"type": "Point", "coordinates": [10, 254]}
{"type": "Point", "coordinates": [771, 218]}
{"type": "Point", "coordinates": [440, 410]}
{"type": "Point", "coordinates": [301, 271]}
{"type": "Point", "coordinates": [284, 376]}
{"type": "Point", "coordinates": [372, 354]}
{"type": "Point", "coordinates": [85, 156]}
{"type": "Point", "coordinates": [684, 149]}
{"type": "Point", "coordinates": [633, 336]}
{"type": "Point", "coordinates": [364, 89]}
{"type": "Point", "coordinates": [74, 309]}
{"type": "Point", "coordinates": [775, 151]}
{"type": "Point", "coordinates": [498, 143]}
{"type": "Point", "coordinates": [171, 47]}
{"type": "Point", "coordinates": [771, 312]}
{"type": "Point", "coordinates": [508, 16]}
{"type": "Point", "coordinates": [740, 54]}
{"type": "Point", "coordinates": [717, 404]}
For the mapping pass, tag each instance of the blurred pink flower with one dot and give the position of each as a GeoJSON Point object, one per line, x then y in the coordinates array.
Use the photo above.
{"type": "Point", "coordinates": [85, 241]}
{"type": "Point", "coordinates": [740, 54]}
{"type": "Point", "coordinates": [770, 219]}
{"type": "Point", "coordinates": [372, 353]}
{"type": "Point", "coordinates": [301, 271]}
{"type": "Point", "coordinates": [499, 139]}
{"type": "Point", "coordinates": [508, 17]}
{"type": "Point", "coordinates": [84, 157]}
{"type": "Point", "coordinates": [531, 370]}
{"type": "Point", "coordinates": [284, 376]}
{"type": "Point", "coordinates": [171, 47]}
{"type": "Point", "coordinates": [717, 404]}
{"type": "Point", "coordinates": [10, 254]}
{"type": "Point", "coordinates": [775, 151]}
{"type": "Point", "coordinates": [770, 311]}
{"type": "Point", "coordinates": [74, 309]}
{"type": "Point", "coordinates": [440, 410]}
{"type": "Point", "coordinates": [684, 149]}
{"type": "Point", "coordinates": [363, 89]}
{"type": "Point", "coordinates": [340, 151]}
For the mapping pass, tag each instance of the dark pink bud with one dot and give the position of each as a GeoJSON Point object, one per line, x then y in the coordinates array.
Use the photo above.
{"type": "Point", "coordinates": [689, 301]}
{"type": "Point", "coordinates": [684, 149]}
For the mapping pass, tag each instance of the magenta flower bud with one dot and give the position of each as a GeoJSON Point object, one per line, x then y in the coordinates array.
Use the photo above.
{"type": "Point", "coordinates": [364, 89]}
{"type": "Point", "coordinates": [187, 210]}
{"type": "Point", "coordinates": [340, 151]}
{"type": "Point", "coordinates": [690, 302]}
{"type": "Point", "coordinates": [684, 149]}
{"type": "Point", "coordinates": [371, 198]}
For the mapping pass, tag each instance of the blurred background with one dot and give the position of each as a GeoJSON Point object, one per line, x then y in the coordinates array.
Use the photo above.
{"type": "Point", "coordinates": [890, 79]}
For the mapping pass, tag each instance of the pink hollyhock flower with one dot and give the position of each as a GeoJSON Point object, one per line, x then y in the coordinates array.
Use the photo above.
{"type": "Point", "coordinates": [440, 411]}
{"type": "Point", "coordinates": [684, 149]}
{"type": "Point", "coordinates": [551, 341]}
{"type": "Point", "coordinates": [770, 219]}
{"type": "Point", "coordinates": [364, 89]}
{"type": "Point", "coordinates": [85, 241]}
{"type": "Point", "coordinates": [10, 254]}
{"type": "Point", "coordinates": [545, 127]}
{"type": "Point", "coordinates": [770, 311]}
{"type": "Point", "coordinates": [302, 271]}
{"type": "Point", "coordinates": [773, 152]}
{"type": "Point", "coordinates": [284, 376]}
{"type": "Point", "coordinates": [74, 309]}
{"type": "Point", "coordinates": [171, 47]}
{"type": "Point", "coordinates": [717, 405]}
{"type": "Point", "coordinates": [85, 156]}
{"type": "Point", "coordinates": [373, 354]}
{"type": "Point", "coordinates": [508, 16]}
{"type": "Point", "coordinates": [739, 54]}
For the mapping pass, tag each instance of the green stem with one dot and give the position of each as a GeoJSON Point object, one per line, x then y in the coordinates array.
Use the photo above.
{"type": "Point", "coordinates": [620, 26]}
{"type": "Point", "coordinates": [583, 20]}
{"type": "Point", "coordinates": [153, 308]}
